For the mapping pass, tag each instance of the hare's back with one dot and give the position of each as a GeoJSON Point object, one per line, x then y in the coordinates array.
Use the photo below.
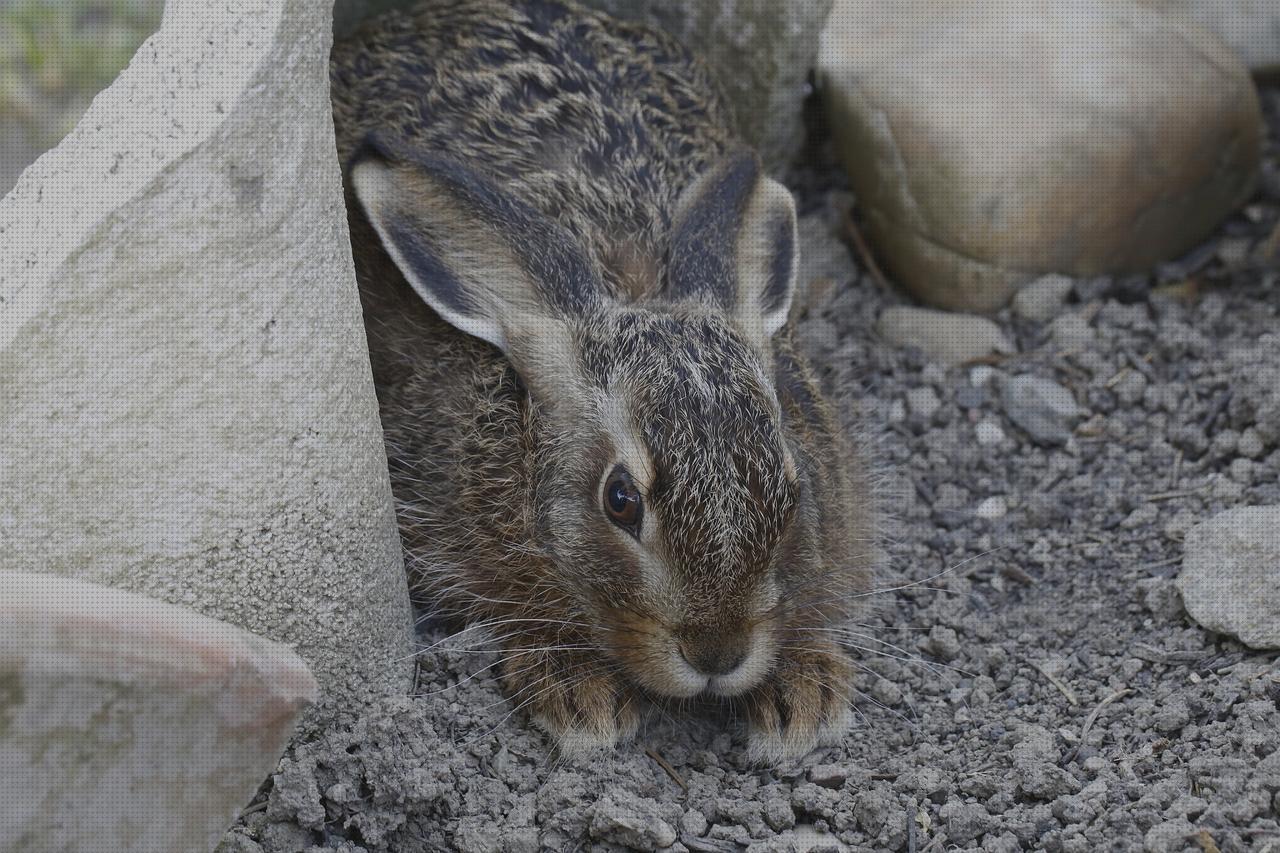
{"type": "Point", "coordinates": [596, 122]}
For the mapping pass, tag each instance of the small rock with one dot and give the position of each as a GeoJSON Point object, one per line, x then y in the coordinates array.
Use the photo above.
{"type": "Point", "coordinates": [1042, 408]}
{"type": "Point", "coordinates": [1071, 332]}
{"type": "Point", "coordinates": [965, 821]}
{"type": "Point", "coordinates": [992, 508]}
{"type": "Point", "coordinates": [988, 433]}
{"type": "Point", "coordinates": [778, 814]}
{"type": "Point", "coordinates": [1171, 716]}
{"type": "Point", "coordinates": [981, 374]}
{"type": "Point", "coordinates": [969, 396]}
{"type": "Point", "coordinates": [828, 775]}
{"type": "Point", "coordinates": [622, 817]}
{"type": "Point", "coordinates": [693, 822]}
{"type": "Point", "coordinates": [944, 643]}
{"type": "Point", "coordinates": [1230, 579]}
{"type": "Point", "coordinates": [1140, 517]}
{"type": "Point", "coordinates": [1042, 299]}
{"type": "Point", "coordinates": [1170, 835]}
{"type": "Point", "coordinates": [940, 335]}
{"type": "Point", "coordinates": [923, 401]}
{"type": "Point", "coordinates": [1250, 444]}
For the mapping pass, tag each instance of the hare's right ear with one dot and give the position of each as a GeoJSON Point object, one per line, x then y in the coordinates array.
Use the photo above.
{"type": "Point", "coordinates": [489, 264]}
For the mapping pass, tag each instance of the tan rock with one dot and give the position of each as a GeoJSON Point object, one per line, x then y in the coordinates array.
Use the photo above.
{"type": "Point", "coordinates": [131, 725]}
{"type": "Point", "coordinates": [942, 336]}
{"type": "Point", "coordinates": [993, 142]}
{"type": "Point", "coordinates": [1250, 27]}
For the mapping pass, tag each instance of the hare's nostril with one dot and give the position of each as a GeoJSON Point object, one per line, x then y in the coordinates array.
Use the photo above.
{"type": "Point", "coordinates": [713, 657]}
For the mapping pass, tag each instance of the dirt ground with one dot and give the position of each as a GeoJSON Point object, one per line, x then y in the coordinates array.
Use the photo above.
{"type": "Point", "coordinates": [1029, 678]}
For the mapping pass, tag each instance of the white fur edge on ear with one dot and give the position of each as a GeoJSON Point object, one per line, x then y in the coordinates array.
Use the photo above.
{"type": "Point", "coordinates": [768, 256]}
{"type": "Point", "coordinates": [373, 183]}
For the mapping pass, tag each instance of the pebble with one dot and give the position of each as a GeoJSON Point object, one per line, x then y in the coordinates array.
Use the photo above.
{"type": "Point", "coordinates": [1072, 332]}
{"type": "Point", "coordinates": [992, 508]}
{"type": "Point", "coordinates": [828, 775]}
{"type": "Point", "coordinates": [942, 336]}
{"type": "Point", "coordinates": [988, 432]}
{"type": "Point", "coordinates": [1042, 408]}
{"type": "Point", "coordinates": [1043, 298]}
{"type": "Point", "coordinates": [981, 374]}
{"type": "Point", "coordinates": [923, 402]}
{"type": "Point", "coordinates": [1250, 444]}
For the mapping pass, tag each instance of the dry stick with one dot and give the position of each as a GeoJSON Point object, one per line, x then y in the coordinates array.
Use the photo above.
{"type": "Point", "coordinates": [1168, 496]}
{"type": "Point", "coordinates": [1206, 842]}
{"type": "Point", "coordinates": [1092, 718]}
{"type": "Point", "coordinates": [1057, 682]}
{"type": "Point", "coordinates": [666, 765]}
{"type": "Point", "coordinates": [864, 251]}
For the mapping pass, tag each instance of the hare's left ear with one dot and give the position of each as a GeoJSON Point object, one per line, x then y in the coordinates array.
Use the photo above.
{"type": "Point", "coordinates": [734, 243]}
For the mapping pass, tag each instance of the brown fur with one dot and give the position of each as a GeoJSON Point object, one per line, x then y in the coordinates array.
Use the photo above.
{"type": "Point", "coordinates": [758, 524]}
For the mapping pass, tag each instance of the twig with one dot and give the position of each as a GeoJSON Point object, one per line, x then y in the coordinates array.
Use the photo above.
{"type": "Point", "coordinates": [666, 765]}
{"type": "Point", "coordinates": [1206, 842]}
{"type": "Point", "coordinates": [1168, 496]}
{"type": "Point", "coordinates": [1057, 682]}
{"type": "Point", "coordinates": [1091, 719]}
{"type": "Point", "coordinates": [1219, 406]}
{"type": "Point", "coordinates": [256, 807]}
{"type": "Point", "coordinates": [864, 251]}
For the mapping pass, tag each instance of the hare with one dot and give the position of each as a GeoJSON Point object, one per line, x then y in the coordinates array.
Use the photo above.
{"type": "Point", "coordinates": [604, 445]}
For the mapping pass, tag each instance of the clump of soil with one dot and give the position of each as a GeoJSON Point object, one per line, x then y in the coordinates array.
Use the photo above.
{"type": "Point", "coordinates": [1029, 678]}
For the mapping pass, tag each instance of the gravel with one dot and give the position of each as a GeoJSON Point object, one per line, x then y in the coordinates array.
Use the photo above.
{"type": "Point", "coordinates": [1030, 678]}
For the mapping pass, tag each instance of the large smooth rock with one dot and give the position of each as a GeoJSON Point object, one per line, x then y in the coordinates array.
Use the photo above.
{"type": "Point", "coordinates": [1230, 579]}
{"type": "Point", "coordinates": [131, 725]}
{"type": "Point", "coordinates": [185, 394]}
{"type": "Point", "coordinates": [993, 141]}
{"type": "Point", "coordinates": [1250, 27]}
{"type": "Point", "coordinates": [761, 51]}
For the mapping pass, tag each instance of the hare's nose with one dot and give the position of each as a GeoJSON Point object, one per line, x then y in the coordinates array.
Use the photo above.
{"type": "Point", "coordinates": [713, 656]}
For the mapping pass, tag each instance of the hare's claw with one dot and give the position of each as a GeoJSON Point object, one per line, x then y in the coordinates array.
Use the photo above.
{"type": "Point", "coordinates": [574, 698]}
{"type": "Point", "coordinates": [803, 704]}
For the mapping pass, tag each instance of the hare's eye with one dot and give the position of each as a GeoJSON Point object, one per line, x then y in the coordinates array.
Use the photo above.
{"type": "Point", "coordinates": [622, 500]}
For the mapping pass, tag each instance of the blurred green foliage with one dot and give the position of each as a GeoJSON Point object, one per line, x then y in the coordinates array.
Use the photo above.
{"type": "Point", "coordinates": [55, 55]}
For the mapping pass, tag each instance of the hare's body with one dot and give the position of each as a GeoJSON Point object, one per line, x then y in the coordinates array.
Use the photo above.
{"type": "Point", "coordinates": [572, 278]}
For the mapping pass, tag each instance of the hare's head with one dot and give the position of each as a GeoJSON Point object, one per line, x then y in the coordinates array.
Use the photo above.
{"type": "Point", "coordinates": [672, 492]}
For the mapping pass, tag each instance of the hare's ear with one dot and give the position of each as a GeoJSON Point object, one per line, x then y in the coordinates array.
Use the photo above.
{"type": "Point", "coordinates": [489, 264]}
{"type": "Point", "coordinates": [734, 242]}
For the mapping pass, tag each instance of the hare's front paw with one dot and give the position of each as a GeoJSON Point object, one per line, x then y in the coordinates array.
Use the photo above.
{"type": "Point", "coordinates": [804, 703]}
{"type": "Point", "coordinates": [574, 697]}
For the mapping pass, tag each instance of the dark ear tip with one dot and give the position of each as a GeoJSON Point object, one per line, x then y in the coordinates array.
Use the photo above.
{"type": "Point", "coordinates": [374, 146]}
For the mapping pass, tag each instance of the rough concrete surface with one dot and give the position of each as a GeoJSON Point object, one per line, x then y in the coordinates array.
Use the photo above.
{"type": "Point", "coordinates": [131, 725]}
{"type": "Point", "coordinates": [185, 395]}
{"type": "Point", "coordinates": [1029, 679]}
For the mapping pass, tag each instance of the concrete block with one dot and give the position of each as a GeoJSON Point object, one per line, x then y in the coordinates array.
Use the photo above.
{"type": "Point", "coordinates": [185, 394]}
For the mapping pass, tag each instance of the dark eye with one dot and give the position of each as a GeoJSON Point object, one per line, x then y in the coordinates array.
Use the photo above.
{"type": "Point", "coordinates": [622, 500]}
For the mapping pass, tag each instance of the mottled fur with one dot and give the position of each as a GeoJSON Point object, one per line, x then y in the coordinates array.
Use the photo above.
{"type": "Point", "coordinates": [563, 187]}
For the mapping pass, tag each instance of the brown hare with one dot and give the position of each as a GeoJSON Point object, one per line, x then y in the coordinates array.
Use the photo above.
{"type": "Point", "coordinates": [604, 445]}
